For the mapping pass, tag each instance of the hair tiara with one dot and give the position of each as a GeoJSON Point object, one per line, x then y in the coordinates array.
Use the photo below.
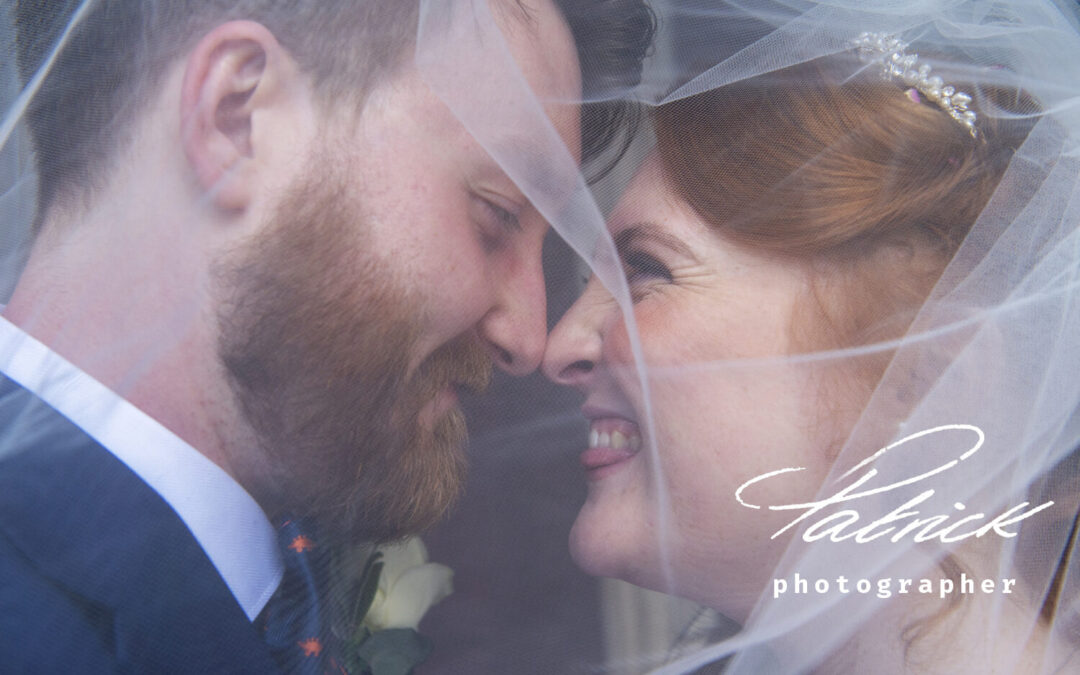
{"type": "Point", "coordinates": [890, 53]}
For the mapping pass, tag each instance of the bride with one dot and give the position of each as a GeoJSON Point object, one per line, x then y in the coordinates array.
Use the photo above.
{"type": "Point", "coordinates": [836, 399]}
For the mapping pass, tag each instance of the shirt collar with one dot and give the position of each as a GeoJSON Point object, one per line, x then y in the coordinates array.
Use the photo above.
{"type": "Point", "coordinates": [226, 521]}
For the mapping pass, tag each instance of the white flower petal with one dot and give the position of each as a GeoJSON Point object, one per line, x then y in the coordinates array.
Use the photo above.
{"type": "Point", "coordinates": [400, 557]}
{"type": "Point", "coordinates": [413, 594]}
{"type": "Point", "coordinates": [375, 619]}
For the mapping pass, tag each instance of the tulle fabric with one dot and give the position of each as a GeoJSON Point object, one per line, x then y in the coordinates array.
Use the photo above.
{"type": "Point", "coordinates": [999, 330]}
{"type": "Point", "coordinates": [995, 349]}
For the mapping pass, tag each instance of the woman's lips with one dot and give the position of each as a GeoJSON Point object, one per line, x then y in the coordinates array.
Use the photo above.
{"type": "Point", "coordinates": [612, 441]}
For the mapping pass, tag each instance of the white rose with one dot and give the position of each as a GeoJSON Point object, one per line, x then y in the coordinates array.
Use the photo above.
{"type": "Point", "coordinates": [408, 586]}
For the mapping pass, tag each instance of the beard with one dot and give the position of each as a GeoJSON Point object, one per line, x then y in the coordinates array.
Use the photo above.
{"type": "Point", "coordinates": [316, 338]}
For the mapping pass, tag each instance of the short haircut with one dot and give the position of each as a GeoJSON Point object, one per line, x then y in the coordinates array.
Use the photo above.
{"type": "Point", "coordinates": [118, 52]}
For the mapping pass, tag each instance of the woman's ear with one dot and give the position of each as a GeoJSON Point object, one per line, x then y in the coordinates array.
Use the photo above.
{"type": "Point", "coordinates": [234, 71]}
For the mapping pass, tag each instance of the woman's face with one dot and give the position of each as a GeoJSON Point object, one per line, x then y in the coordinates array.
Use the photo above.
{"type": "Point", "coordinates": [709, 316]}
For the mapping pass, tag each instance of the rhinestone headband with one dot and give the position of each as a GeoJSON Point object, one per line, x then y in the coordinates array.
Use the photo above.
{"type": "Point", "coordinates": [889, 52]}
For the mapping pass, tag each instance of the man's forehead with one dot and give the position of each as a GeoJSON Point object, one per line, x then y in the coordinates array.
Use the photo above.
{"type": "Point", "coordinates": [543, 46]}
{"type": "Point", "coordinates": [506, 76]}
{"type": "Point", "coordinates": [523, 11]}
{"type": "Point", "coordinates": [538, 170]}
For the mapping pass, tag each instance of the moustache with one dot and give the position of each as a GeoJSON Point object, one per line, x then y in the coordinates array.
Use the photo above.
{"type": "Point", "coordinates": [464, 363]}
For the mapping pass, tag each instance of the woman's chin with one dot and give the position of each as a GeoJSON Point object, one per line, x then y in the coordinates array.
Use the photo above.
{"type": "Point", "coordinates": [604, 545]}
{"type": "Point", "coordinates": [593, 547]}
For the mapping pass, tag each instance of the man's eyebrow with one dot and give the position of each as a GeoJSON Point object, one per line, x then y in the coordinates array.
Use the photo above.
{"type": "Point", "coordinates": [650, 232]}
{"type": "Point", "coordinates": [518, 10]}
{"type": "Point", "coordinates": [537, 170]}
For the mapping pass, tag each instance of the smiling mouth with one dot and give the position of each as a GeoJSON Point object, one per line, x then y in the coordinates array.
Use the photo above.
{"type": "Point", "coordinates": [612, 441]}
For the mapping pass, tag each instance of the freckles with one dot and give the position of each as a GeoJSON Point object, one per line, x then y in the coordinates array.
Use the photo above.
{"type": "Point", "coordinates": [674, 335]}
{"type": "Point", "coordinates": [617, 349]}
{"type": "Point", "coordinates": [467, 299]}
{"type": "Point", "coordinates": [659, 342]}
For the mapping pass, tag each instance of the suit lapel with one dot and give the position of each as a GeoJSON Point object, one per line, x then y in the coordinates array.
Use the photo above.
{"type": "Point", "coordinates": [95, 528]}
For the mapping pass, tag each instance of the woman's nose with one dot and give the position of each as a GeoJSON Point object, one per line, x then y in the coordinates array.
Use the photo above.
{"type": "Point", "coordinates": [574, 346]}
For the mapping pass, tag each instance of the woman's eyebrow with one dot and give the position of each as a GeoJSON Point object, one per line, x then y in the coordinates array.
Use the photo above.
{"type": "Point", "coordinates": [651, 232]}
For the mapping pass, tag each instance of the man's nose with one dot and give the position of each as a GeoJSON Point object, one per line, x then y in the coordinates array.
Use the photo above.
{"type": "Point", "coordinates": [516, 328]}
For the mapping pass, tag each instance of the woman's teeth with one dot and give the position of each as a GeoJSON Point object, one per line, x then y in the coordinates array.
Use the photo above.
{"type": "Point", "coordinates": [603, 435]}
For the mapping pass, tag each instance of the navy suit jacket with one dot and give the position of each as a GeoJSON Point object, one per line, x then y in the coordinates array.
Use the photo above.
{"type": "Point", "coordinates": [97, 573]}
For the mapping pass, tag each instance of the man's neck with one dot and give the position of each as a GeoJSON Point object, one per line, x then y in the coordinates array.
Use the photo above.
{"type": "Point", "coordinates": [130, 304]}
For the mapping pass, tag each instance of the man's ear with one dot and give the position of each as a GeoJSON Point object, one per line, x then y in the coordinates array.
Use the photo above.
{"type": "Point", "coordinates": [235, 70]}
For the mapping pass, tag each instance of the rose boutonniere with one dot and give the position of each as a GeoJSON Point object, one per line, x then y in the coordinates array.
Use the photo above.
{"type": "Point", "coordinates": [387, 590]}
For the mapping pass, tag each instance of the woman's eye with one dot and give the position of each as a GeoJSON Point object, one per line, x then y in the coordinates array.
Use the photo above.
{"type": "Point", "coordinates": [644, 273]}
{"type": "Point", "coordinates": [642, 267]}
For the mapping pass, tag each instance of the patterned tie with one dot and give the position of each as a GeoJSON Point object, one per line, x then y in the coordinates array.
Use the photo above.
{"type": "Point", "coordinates": [296, 627]}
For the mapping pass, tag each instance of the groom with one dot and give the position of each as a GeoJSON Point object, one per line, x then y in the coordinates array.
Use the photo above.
{"type": "Point", "coordinates": [267, 259]}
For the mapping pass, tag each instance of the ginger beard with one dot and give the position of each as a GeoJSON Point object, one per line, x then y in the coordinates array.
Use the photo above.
{"type": "Point", "coordinates": [316, 337]}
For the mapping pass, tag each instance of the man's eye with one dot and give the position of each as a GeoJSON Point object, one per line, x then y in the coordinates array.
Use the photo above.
{"type": "Point", "coordinates": [500, 216]}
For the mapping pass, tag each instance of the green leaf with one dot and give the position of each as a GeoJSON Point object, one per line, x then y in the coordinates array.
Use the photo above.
{"type": "Point", "coordinates": [395, 651]}
{"type": "Point", "coordinates": [369, 583]}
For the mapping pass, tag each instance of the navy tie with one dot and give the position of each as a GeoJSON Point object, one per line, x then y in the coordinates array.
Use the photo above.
{"type": "Point", "coordinates": [297, 629]}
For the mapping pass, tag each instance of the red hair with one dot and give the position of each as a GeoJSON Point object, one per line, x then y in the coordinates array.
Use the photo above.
{"type": "Point", "coordinates": [873, 190]}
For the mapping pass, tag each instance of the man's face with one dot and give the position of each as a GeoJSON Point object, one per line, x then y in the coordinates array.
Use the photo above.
{"type": "Point", "coordinates": [399, 264]}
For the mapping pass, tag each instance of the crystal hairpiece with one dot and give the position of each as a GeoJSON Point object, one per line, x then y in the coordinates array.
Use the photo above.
{"type": "Point", "coordinates": [889, 51]}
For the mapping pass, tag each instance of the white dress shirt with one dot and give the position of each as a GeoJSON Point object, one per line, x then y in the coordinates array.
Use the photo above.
{"type": "Point", "coordinates": [229, 525]}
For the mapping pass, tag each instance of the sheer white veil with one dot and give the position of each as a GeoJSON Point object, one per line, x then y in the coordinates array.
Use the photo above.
{"type": "Point", "coordinates": [988, 365]}
{"type": "Point", "coordinates": [986, 373]}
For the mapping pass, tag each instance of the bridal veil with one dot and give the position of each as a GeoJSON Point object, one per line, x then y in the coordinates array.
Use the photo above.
{"type": "Point", "coordinates": [975, 416]}
{"type": "Point", "coordinates": [978, 402]}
